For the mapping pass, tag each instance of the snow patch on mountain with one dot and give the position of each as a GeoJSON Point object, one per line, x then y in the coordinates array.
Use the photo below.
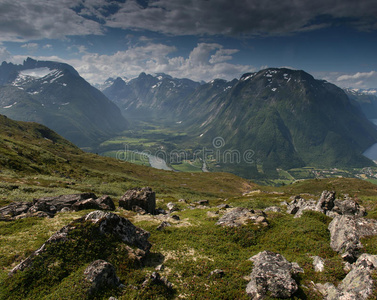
{"type": "Point", "coordinates": [37, 73]}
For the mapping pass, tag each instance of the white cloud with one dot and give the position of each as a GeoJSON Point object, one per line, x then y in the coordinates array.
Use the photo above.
{"type": "Point", "coordinates": [356, 76]}
{"type": "Point", "coordinates": [47, 46]}
{"type": "Point", "coordinates": [30, 46]}
{"type": "Point", "coordinates": [4, 54]}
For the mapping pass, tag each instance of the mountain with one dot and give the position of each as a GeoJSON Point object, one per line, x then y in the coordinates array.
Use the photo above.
{"type": "Point", "coordinates": [150, 97]}
{"type": "Point", "coordinates": [365, 99]}
{"type": "Point", "coordinates": [55, 95]}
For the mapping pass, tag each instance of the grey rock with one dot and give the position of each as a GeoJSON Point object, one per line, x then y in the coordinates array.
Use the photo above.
{"type": "Point", "coordinates": [15, 209]}
{"type": "Point", "coordinates": [272, 275]}
{"type": "Point", "coordinates": [358, 284]}
{"type": "Point", "coordinates": [139, 210]}
{"type": "Point", "coordinates": [172, 207]}
{"type": "Point", "coordinates": [163, 225]}
{"type": "Point", "coordinates": [175, 217]}
{"type": "Point", "coordinates": [101, 274]}
{"type": "Point", "coordinates": [217, 273]}
{"type": "Point", "coordinates": [106, 203]}
{"type": "Point", "coordinates": [318, 264]}
{"type": "Point", "coordinates": [223, 206]}
{"type": "Point", "coordinates": [241, 216]}
{"type": "Point", "coordinates": [85, 204]}
{"type": "Point", "coordinates": [344, 237]}
{"type": "Point", "coordinates": [203, 202]}
{"type": "Point", "coordinates": [113, 224]}
{"type": "Point", "coordinates": [348, 207]}
{"type": "Point", "coordinates": [272, 209]}
{"type": "Point", "coordinates": [160, 211]}
{"type": "Point", "coordinates": [38, 214]}
{"type": "Point", "coordinates": [142, 197]}
{"type": "Point", "coordinates": [326, 201]}
{"type": "Point", "coordinates": [57, 203]}
{"type": "Point", "coordinates": [155, 278]}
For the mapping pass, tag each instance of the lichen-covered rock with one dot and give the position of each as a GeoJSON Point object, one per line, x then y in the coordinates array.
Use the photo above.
{"type": "Point", "coordinates": [15, 209]}
{"type": "Point", "coordinates": [163, 225]}
{"type": "Point", "coordinates": [142, 197]}
{"type": "Point", "coordinates": [272, 209]}
{"type": "Point", "coordinates": [318, 264]}
{"type": "Point", "coordinates": [344, 237]}
{"type": "Point", "coordinates": [155, 278]}
{"type": "Point", "coordinates": [326, 201]}
{"type": "Point", "coordinates": [105, 202]}
{"type": "Point", "coordinates": [272, 276]}
{"type": "Point", "coordinates": [242, 216]}
{"type": "Point", "coordinates": [358, 284]}
{"type": "Point", "coordinates": [101, 274]}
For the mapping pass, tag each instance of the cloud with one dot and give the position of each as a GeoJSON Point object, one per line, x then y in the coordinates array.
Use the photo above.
{"type": "Point", "coordinates": [30, 46]}
{"type": "Point", "coordinates": [22, 20]}
{"type": "Point", "coordinates": [4, 54]}
{"type": "Point", "coordinates": [205, 62]}
{"type": "Point", "coordinates": [357, 76]}
{"type": "Point", "coordinates": [243, 17]}
{"type": "Point", "coordinates": [361, 80]}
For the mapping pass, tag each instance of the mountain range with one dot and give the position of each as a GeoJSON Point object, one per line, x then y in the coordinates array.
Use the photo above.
{"type": "Point", "coordinates": [54, 94]}
{"type": "Point", "coordinates": [285, 117]}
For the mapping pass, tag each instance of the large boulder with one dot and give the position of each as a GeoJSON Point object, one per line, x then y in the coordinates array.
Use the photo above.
{"type": "Point", "coordinates": [101, 274]}
{"type": "Point", "coordinates": [142, 197]}
{"type": "Point", "coordinates": [358, 284]}
{"type": "Point", "coordinates": [242, 216]}
{"type": "Point", "coordinates": [272, 276]}
{"type": "Point", "coordinates": [105, 223]}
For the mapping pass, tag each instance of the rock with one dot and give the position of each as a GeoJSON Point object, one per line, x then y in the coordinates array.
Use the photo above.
{"type": "Point", "coordinates": [349, 207]}
{"type": "Point", "coordinates": [318, 264]}
{"type": "Point", "coordinates": [217, 273]}
{"type": "Point", "coordinates": [326, 201]}
{"type": "Point", "coordinates": [272, 276]}
{"type": "Point", "coordinates": [38, 214]}
{"type": "Point", "coordinates": [85, 204]}
{"type": "Point", "coordinates": [175, 217]}
{"type": "Point", "coordinates": [344, 237]}
{"type": "Point", "coordinates": [160, 268]}
{"type": "Point", "coordinates": [139, 210]}
{"type": "Point", "coordinates": [272, 209]}
{"type": "Point", "coordinates": [106, 203]}
{"type": "Point", "coordinates": [366, 227]}
{"type": "Point", "coordinates": [107, 223]}
{"type": "Point", "coordinates": [358, 284]}
{"type": "Point", "coordinates": [142, 197]}
{"type": "Point", "coordinates": [182, 200]}
{"type": "Point", "coordinates": [172, 207]}
{"type": "Point", "coordinates": [15, 209]}
{"type": "Point", "coordinates": [203, 202]}
{"type": "Point", "coordinates": [241, 216]}
{"type": "Point", "coordinates": [155, 278]}
{"type": "Point", "coordinates": [126, 231]}
{"type": "Point", "coordinates": [163, 225]}
{"type": "Point", "coordinates": [160, 211]}
{"type": "Point", "coordinates": [101, 274]}
{"type": "Point", "coordinates": [212, 215]}
{"type": "Point", "coordinates": [55, 204]}
{"type": "Point", "coordinates": [223, 206]}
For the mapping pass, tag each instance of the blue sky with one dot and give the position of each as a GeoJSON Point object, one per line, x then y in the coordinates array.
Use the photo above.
{"type": "Point", "coordinates": [334, 40]}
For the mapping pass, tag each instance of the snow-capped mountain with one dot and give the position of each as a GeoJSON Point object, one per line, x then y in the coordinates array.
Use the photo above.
{"type": "Point", "coordinates": [55, 95]}
{"type": "Point", "coordinates": [365, 99]}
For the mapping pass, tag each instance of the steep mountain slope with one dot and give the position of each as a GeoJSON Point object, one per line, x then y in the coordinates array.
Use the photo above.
{"type": "Point", "coordinates": [149, 96]}
{"type": "Point", "coordinates": [365, 99]}
{"type": "Point", "coordinates": [55, 95]}
{"type": "Point", "coordinates": [287, 118]}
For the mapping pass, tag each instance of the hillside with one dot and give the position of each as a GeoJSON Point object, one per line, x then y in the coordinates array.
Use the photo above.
{"type": "Point", "coordinates": [186, 249]}
{"type": "Point", "coordinates": [55, 95]}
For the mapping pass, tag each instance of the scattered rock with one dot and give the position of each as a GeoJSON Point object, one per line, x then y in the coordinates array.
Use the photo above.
{"type": "Point", "coordinates": [348, 207]}
{"type": "Point", "coordinates": [326, 201]}
{"type": "Point", "coordinates": [142, 197]}
{"type": "Point", "coordinates": [172, 207]}
{"type": "Point", "coordinates": [182, 200]}
{"type": "Point", "coordinates": [85, 204]}
{"type": "Point", "coordinates": [223, 206]}
{"type": "Point", "coordinates": [203, 202]}
{"type": "Point", "coordinates": [155, 278]}
{"type": "Point", "coordinates": [241, 216]}
{"type": "Point", "coordinates": [38, 214]}
{"type": "Point", "coordinates": [160, 268]}
{"type": "Point", "coordinates": [272, 275]}
{"type": "Point", "coordinates": [160, 211]}
{"type": "Point", "coordinates": [101, 274]}
{"type": "Point", "coordinates": [358, 284]}
{"type": "Point", "coordinates": [318, 264]}
{"type": "Point", "coordinates": [175, 217]}
{"type": "Point", "coordinates": [106, 203]}
{"type": "Point", "coordinates": [163, 225]}
{"type": "Point", "coordinates": [217, 273]}
{"type": "Point", "coordinates": [15, 209]}
{"type": "Point", "coordinates": [211, 214]}
{"type": "Point", "coordinates": [272, 209]}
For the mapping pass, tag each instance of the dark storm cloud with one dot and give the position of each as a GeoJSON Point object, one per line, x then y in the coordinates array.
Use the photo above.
{"type": "Point", "coordinates": [249, 17]}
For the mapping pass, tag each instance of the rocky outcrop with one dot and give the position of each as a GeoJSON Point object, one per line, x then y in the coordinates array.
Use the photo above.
{"type": "Point", "coordinates": [358, 284]}
{"type": "Point", "coordinates": [106, 223]}
{"type": "Point", "coordinates": [272, 276]}
{"type": "Point", "coordinates": [49, 206]}
{"type": "Point", "coordinates": [346, 232]}
{"type": "Point", "coordinates": [327, 204]}
{"type": "Point", "coordinates": [142, 197]}
{"type": "Point", "coordinates": [155, 278]}
{"type": "Point", "coordinates": [242, 216]}
{"type": "Point", "coordinates": [101, 274]}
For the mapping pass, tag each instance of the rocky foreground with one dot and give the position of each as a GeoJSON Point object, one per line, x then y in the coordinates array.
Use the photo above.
{"type": "Point", "coordinates": [272, 275]}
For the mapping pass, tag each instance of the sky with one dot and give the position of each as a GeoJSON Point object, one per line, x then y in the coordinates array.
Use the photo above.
{"type": "Point", "coordinates": [335, 40]}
